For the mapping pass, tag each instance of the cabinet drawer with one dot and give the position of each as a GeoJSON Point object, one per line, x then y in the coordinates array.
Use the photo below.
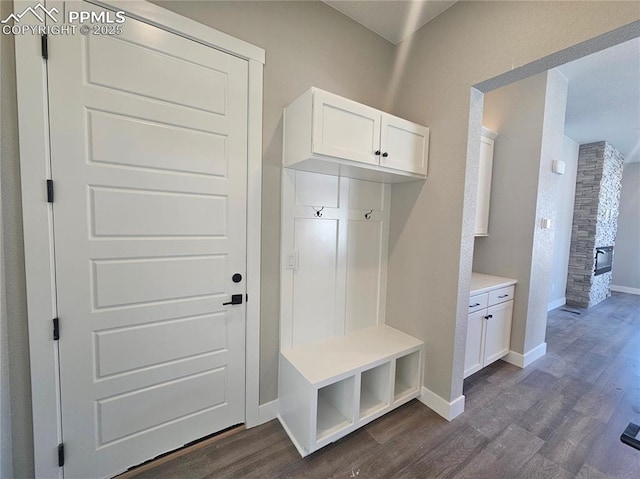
{"type": "Point", "coordinates": [478, 302]}
{"type": "Point", "coordinates": [501, 295]}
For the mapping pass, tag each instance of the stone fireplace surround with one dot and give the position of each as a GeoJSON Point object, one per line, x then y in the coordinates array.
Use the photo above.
{"type": "Point", "coordinates": [595, 221]}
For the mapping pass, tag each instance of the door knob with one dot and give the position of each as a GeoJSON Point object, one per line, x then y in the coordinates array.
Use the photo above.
{"type": "Point", "coordinates": [235, 299]}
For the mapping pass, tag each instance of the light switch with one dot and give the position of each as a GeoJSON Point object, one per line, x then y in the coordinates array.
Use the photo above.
{"type": "Point", "coordinates": [292, 261]}
{"type": "Point", "coordinates": [546, 223]}
{"type": "Point", "coordinates": [558, 167]}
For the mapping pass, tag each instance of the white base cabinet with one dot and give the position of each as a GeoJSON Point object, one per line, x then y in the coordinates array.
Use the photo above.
{"type": "Point", "coordinates": [331, 388]}
{"type": "Point", "coordinates": [489, 328]}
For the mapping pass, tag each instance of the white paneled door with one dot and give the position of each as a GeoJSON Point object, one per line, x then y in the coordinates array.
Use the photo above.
{"type": "Point", "coordinates": [149, 158]}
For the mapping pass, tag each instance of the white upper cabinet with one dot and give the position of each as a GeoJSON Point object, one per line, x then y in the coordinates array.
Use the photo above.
{"type": "Point", "coordinates": [345, 129]}
{"type": "Point", "coordinates": [484, 182]}
{"type": "Point", "coordinates": [328, 134]}
{"type": "Point", "coordinates": [403, 145]}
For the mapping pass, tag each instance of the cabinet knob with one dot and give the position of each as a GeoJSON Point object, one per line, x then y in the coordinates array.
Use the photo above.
{"type": "Point", "coordinates": [385, 154]}
{"type": "Point", "coordinates": [488, 316]}
{"type": "Point", "coordinates": [377, 153]}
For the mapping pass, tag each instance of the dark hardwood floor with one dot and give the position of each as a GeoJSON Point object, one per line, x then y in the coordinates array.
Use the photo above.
{"type": "Point", "coordinates": [561, 417]}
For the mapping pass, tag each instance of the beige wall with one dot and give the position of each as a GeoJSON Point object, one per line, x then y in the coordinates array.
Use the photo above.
{"type": "Point", "coordinates": [6, 455]}
{"type": "Point", "coordinates": [555, 106]}
{"type": "Point", "coordinates": [307, 44]}
{"type": "Point", "coordinates": [431, 242]}
{"type": "Point", "coordinates": [516, 112]}
{"type": "Point", "coordinates": [16, 426]}
{"type": "Point", "coordinates": [626, 265]}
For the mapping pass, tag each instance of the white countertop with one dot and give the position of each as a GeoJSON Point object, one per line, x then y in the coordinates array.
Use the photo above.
{"type": "Point", "coordinates": [481, 283]}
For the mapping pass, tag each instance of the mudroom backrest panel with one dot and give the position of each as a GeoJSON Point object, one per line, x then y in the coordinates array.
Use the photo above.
{"type": "Point", "coordinates": [335, 234]}
{"type": "Point", "coordinates": [314, 282]}
{"type": "Point", "coordinates": [366, 283]}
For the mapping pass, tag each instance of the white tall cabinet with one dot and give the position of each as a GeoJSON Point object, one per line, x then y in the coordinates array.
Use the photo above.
{"type": "Point", "coordinates": [341, 366]}
{"type": "Point", "coordinates": [485, 171]}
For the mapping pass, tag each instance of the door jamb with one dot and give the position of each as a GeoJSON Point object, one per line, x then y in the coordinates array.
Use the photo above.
{"type": "Point", "coordinates": [38, 220]}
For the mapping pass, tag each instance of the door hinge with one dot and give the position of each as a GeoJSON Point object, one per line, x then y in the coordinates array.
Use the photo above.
{"type": "Point", "coordinates": [61, 454]}
{"type": "Point", "coordinates": [56, 329]}
{"type": "Point", "coordinates": [50, 191]}
{"type": "Point", "coordinates": [247, 297]}
{"type": "Point", "coordinates": [44, 43]}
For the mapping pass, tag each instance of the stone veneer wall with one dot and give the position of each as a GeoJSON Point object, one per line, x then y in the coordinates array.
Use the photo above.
{"type": "Point", "coordinates": [595, 221]}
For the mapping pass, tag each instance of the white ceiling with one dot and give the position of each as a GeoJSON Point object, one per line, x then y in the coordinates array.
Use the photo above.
{"type": "Point", "coordinates": [393, 20]}
{"type": "Point", "coordinates": [604, 98]}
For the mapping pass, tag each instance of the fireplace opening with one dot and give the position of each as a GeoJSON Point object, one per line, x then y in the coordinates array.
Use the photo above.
{"type": "Point", "coordinates": [604, 259]}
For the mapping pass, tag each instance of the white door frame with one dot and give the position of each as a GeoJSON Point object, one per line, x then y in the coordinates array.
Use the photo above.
{"type": "Point", "coordinates": [38, 227]}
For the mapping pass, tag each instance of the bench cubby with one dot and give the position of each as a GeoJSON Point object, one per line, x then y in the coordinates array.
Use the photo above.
{"type": "Point", "coordinates": [330, 388]}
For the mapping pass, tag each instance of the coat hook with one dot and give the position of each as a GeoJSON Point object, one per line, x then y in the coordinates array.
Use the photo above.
{"type": "Point", "coordinates": [368, 215]}
{"type": "Point", "coordinates": [318, 212]}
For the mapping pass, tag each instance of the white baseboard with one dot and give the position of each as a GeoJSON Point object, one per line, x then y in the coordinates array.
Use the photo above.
{"type": "Point", "coordinates": [556, 304]}
{"type": "Point", "coordinates": [446, 409]}
{"type": "Point", "coordinates": [523, 360]}
{"type": "Point", "coordinates": [267, 412]}
{"type": "Point", "coordinates": [625, 289]}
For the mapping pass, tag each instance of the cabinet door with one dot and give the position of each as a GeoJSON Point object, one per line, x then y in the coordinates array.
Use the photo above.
{"type": "Point", "coordinates": [405, 145]}
{"type": "Point", "coordinates": [484, 187]}
{"type": "Point", "coordinates": [498, 332]}
{"type": "Point", "coordinates": [345, 129]}
{"type": "Point", "coordinates": [474, 350]}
